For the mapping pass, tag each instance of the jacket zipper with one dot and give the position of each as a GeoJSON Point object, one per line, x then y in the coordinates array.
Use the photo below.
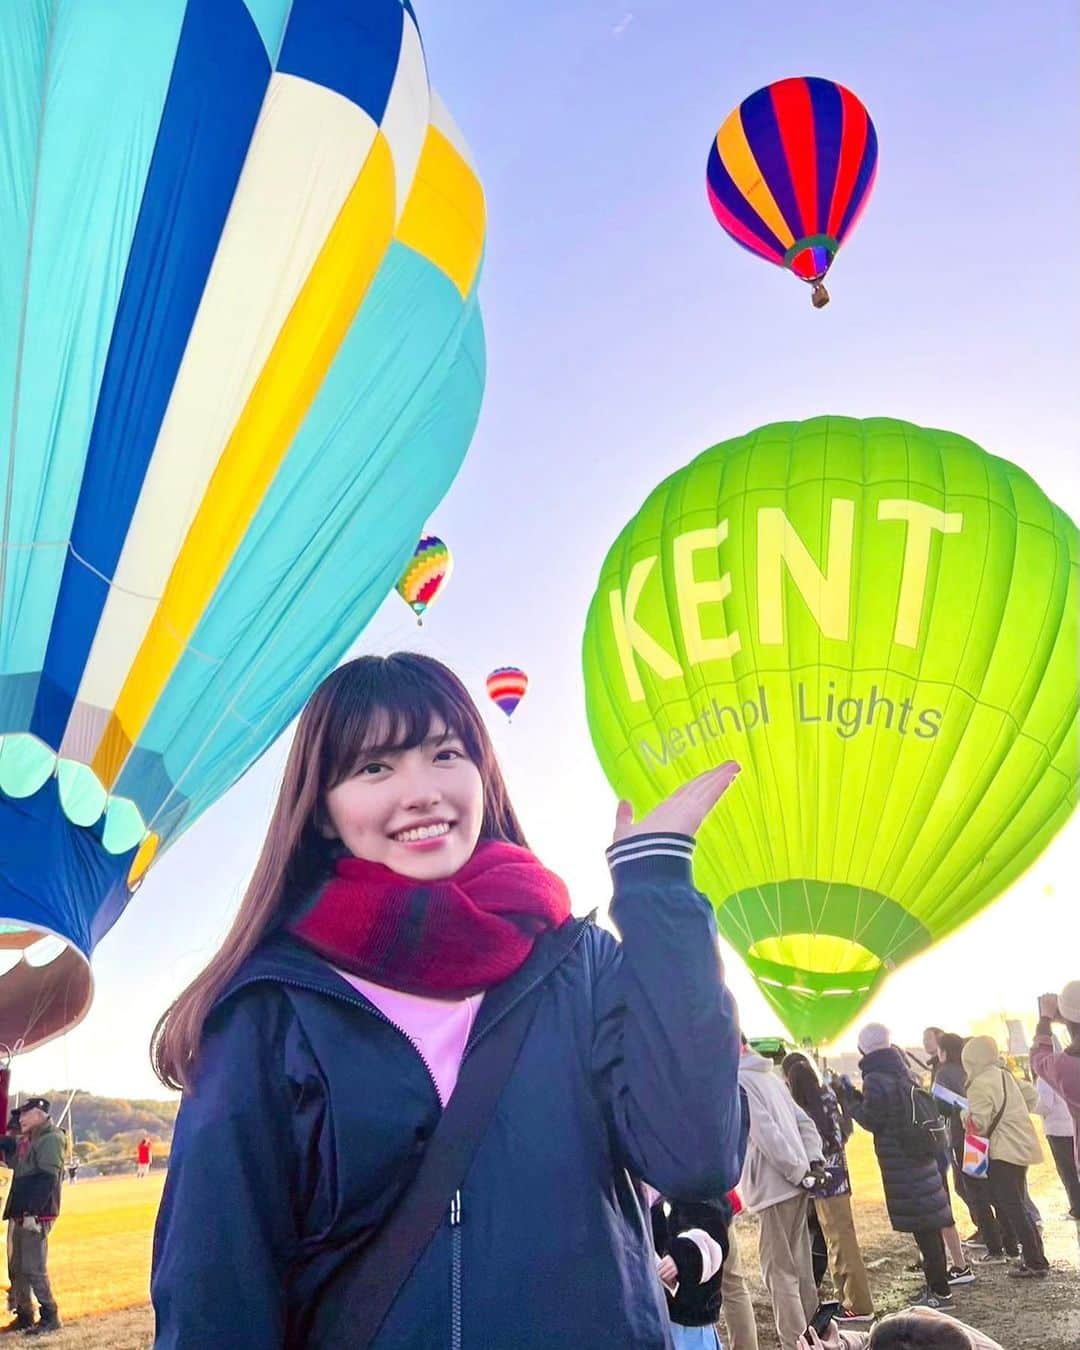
{"type": "Point", "coordinates": [455, 1272]}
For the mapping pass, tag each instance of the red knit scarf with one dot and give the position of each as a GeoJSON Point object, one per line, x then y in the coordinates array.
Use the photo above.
{"type": "Point", "coordinates": [443, 939]}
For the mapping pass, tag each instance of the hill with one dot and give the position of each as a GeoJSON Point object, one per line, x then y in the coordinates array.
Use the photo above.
{"type": "Point", "coordinates": [107, 1129]}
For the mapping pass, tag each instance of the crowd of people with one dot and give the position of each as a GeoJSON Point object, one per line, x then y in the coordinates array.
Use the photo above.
{"type": "Point", "coordinates": [925, 1115]}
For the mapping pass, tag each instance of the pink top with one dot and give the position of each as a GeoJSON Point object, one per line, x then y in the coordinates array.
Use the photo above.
{"type": "Point", "coordinates": [438, 1027]}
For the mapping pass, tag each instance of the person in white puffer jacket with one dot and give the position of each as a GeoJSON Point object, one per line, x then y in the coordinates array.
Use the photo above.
{"type": "Point", "coordinates": [777, 1180]}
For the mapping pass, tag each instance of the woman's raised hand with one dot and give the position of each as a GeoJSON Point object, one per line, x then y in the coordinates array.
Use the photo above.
{"type": "Point", "coordinates": [684, 811]}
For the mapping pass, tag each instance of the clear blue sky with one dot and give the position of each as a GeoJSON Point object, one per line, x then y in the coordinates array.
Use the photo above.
{"type": "Point", "coordinates": [626, 333]}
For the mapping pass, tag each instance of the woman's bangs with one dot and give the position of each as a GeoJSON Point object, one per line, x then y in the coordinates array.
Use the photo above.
{"type": "Point", "coordinates": [392, 713]}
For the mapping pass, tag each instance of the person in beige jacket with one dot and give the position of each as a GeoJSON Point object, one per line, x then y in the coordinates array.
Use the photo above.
{"type": "Point", "coordinates": [999, 1108]}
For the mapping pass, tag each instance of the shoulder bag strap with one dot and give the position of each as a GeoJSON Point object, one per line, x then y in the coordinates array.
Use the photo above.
{"type": "Point", "coordinates": [1004, 1102]}
{"type": "Point", "coordinates": [354, 1304]}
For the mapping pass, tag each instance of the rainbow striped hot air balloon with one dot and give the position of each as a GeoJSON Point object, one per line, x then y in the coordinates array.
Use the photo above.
{"type": "Point", "coordinates": [506, 687]}
{"type": "Point", "coordinates": [790, 172]}
{"type": "Point", "coordinates": [241, 359]}
{"type": "Point", "coordinates": [427, 573]}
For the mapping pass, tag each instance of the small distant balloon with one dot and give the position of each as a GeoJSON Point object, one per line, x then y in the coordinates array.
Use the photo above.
{"type": "Point", "coordinates": [506, 687]}
{"type": "Point", "coordinates": [427, 573]}
{"type": "Point", "coordinates": [789, 173]}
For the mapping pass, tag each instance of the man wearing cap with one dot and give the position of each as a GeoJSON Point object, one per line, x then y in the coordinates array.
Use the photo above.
{"type": "Point", "coordinates": [33, 1204]}
{"type": "Point", "coordinates": [1060, 1069]}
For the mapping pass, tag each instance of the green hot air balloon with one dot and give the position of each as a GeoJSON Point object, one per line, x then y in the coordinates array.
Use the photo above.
{"type": "Point", "coordinates": [880, 623]}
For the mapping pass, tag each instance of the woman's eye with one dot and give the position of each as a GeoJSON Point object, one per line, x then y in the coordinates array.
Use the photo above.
{"type": "Point", "coordinates": [370, 770]}
{"type": "Point", "coordinates": [449, 754]}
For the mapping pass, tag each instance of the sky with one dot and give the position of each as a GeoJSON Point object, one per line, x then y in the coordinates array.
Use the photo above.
{"type": "Point", "coordinates": [626, 333]}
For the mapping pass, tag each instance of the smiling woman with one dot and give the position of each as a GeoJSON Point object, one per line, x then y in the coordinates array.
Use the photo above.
{"type": "Point", "coordinates": [432, 1049]}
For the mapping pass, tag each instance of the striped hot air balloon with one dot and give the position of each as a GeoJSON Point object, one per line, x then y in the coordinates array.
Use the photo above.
{"type": "Point", "coordinates": [506, 687]}
{"type": "Point", "coordinates": [241, 359]}
{"type": "Point", "coordinates": [790, 172]}
{"type": "Point", "coordinates": [427, 572]}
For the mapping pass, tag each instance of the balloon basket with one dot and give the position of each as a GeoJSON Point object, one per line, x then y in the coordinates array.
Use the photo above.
{"type": "Point", "coordinates": [819, 296]}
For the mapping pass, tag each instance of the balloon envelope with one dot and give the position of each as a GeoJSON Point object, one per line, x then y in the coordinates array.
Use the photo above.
{"type": "Point", "coordinates": [506, 688]}
{"type": "Point", "coordinates": [879, 623]}
{"type": "Point", "coordinates": [426, 573]}
{"type": "Point", "coordinates": [241, 359]}
{"type": "Point", "coordinates": [791, 170]}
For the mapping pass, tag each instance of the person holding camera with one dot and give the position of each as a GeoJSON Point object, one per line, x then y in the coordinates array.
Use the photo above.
{"type": "Point", "coordinates": [783, 1166]}
{"type": "Point", "coordinates": [1060, 1069]}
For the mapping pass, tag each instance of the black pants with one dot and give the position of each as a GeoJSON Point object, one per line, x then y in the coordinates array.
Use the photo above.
{"type": "Point", "coordinates": [935, 1268]}
{"type": "Point", "coordinates": [819, 1248]}
{"type": "Point", "coordinates": [995, 1227]}
{"type": "Point", "coordinates": [1008, 1182]}
{"type": "Point", "coordinates": [1061, 1146]}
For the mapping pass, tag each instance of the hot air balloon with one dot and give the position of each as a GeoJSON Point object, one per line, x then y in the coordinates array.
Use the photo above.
{"type": "Point", "coordinates": [426, 573]}
{"type": "Point", "coordinates": [241, 359]}
{"type": "Point", "coordinates": [790, 172]}
{"type": "Point", "coordinates": [506, 687]}
{"type": "Point", "coordinates": [879, 623]}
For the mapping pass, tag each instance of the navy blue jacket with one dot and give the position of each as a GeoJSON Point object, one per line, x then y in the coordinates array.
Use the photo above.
{"type": "Point", "coordinates": [311, 1109]}
{"type": "Point", "coordinates": [915, 1193]}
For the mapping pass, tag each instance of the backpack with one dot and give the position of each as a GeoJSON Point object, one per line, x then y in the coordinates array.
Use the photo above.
{"type": "Point", "coordinates": [924, 1131]}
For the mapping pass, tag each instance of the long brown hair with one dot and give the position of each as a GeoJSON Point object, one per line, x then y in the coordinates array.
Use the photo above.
{"type": "Point", "coordinates": [394, 698]}
{"type": "Point", "coordinates": [802, 1080]}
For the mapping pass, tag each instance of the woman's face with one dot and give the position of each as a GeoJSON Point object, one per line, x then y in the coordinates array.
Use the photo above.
{"type": "Point", "coordinates": [415, 811]}
{"type": "Point", "coordinates": [930, 1041]}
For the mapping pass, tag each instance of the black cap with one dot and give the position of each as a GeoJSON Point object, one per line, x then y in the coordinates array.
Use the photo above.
{"type": "Point", "coordinates": [35, 1103]}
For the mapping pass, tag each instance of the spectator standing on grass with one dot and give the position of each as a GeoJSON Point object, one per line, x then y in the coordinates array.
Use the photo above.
{"type": "Point", "coordinates": [952, 1076]}
{"type": "Point", "coordinates": [1060, 1068]}
{"type": "Point", "coordinates": [933, 1038]}
{"type": "Point", "coordinates": [832, 1199]}
{"type": "Point", "coordinates": [999, 1108]}
{"type": "Point", "coordinates": [144, 1156]}
{"type": "Point", "coordinates": [782, 1157]}
{"type": "Point", "coordinates": [1061, 1136]}
{"type": "Point", "coordinates": [915, 1195]}
{"type": "Point", "coordinates": [33, 1204]}
{"type": "Point", "coordinates": [992, 1229]}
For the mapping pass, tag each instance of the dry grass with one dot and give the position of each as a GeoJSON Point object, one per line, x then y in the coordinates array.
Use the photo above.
{"type": "Point", "coordinates": [99, 1251]}
{"type": "Point", "coordinates": [100, 1263]}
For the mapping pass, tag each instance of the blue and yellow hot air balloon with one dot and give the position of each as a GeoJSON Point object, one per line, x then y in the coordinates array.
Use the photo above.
{"type": "Point", "coordinates": [241, 359]}
{"type": "Point", "coordinates": [790, 172]}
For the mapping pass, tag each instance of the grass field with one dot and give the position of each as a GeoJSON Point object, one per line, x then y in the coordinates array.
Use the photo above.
{"type": "Point", "coordinates": [99, 1251]}
{"type": "Point", "coordinates": [100, 1263]}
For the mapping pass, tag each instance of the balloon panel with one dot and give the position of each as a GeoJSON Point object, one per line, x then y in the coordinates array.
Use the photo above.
{"type": "Point", "coordinates": [879, 623]}
{"type": "Point", "coordinates": [243, 358]}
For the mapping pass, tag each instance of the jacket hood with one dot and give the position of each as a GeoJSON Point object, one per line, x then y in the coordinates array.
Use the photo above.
{"type": "Point", "coordinates": [751, 1063]}
{"type": "Point", "coordinates": [889, 1060]}
{"type": "Point", "coordinates": [980, 1053]}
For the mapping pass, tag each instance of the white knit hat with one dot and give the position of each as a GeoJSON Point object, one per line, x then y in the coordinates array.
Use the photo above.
{"type": "Point", "coordinates": [873, 1037]}
{"type": "Point", "coordinates": [1069, 1001]}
